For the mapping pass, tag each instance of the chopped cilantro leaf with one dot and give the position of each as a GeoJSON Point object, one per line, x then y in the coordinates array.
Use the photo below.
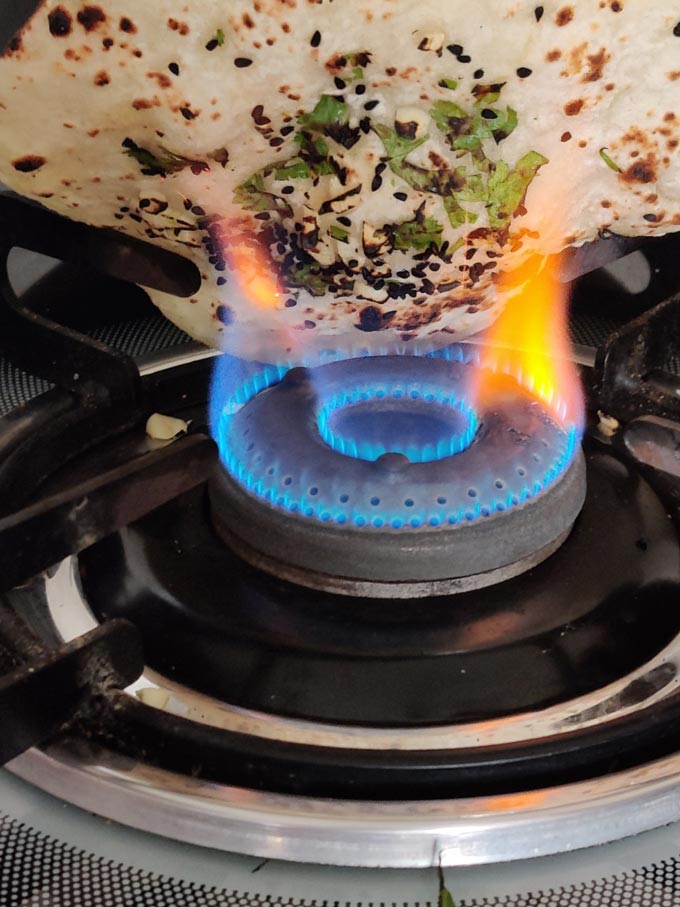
{"type": "Point", "coordinates": [294, 169]}
{"type": "Point", "coordinates": [505, 123]}
{"type": "Point", "coordinates": [164, 163]}
{"type": "Point", "coordinates": [253, 196]}
{"type": "Point", "coordinates": [395, 145]}
{"type": "Point", "coordinates": [329, 111]}
{"type": "Point", "coordinates": [466, 132]}
{"type": "Point", "coordinates": [219, 37]}
{"type": "Point", "coordinates": [419, 233]}
{"type": "Point", "coordinates": [309, 276]}
{"type": "Point", "coordinates": [448, 83]}
{"type": "Point", "coordinates": [456, 214]}
{"type": "Point", "coordinates": [338, 233]}
{"type": "Point", "coordinates": [473, 189]}
{"type": "Point", "coordinates": [443, 112]}
{"type": "Point", "coordinates": [507, 188]}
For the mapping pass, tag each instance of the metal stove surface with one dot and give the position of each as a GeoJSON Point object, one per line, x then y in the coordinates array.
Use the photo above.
{"type": "Point", "coordinates": [55, 854]}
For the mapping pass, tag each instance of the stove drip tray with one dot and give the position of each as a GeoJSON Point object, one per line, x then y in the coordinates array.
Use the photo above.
{"type": "Point", "coordinates": [379, 477]}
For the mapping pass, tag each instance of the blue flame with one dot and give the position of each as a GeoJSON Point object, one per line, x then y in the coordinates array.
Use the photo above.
{"type": "Point", "coordinates": [326, 499]}
{"type": "Point", "coordinates": [455, 437]}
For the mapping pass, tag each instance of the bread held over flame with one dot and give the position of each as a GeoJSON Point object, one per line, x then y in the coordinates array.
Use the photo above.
{"type": "Point", "coordinates": [389, 160]}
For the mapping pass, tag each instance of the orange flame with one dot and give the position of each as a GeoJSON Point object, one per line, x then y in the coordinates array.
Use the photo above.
{"type": "Point", "coordinates": [253, 272]}
{"type": "Point", "coordinates": [529, 343]}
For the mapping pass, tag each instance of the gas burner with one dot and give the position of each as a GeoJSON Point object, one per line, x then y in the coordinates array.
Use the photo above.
{"type": "Point", "coordinates": [383, 471]}
{"type": "Point", "coordinates": [239, 710]}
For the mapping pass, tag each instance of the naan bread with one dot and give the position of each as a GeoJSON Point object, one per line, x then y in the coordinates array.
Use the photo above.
{"type": "Point", "coordinates": [389, 159]}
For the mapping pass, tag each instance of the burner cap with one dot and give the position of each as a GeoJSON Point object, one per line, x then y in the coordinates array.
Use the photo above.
{"type": "Point", "coordinates": [377, 477]}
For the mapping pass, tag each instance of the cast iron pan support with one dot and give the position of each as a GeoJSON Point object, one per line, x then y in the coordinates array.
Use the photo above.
{"type": "Point", "coordinates": [632, 368]}
{"type": "Point", "coordinates": [97, 388]}
{"type": "Point", "coordinates": [43, 691]}
{"type": "Point", "coordinates": [43, 697]}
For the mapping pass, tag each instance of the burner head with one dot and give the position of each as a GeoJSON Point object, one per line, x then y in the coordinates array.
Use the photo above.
{"type": "Point", "coordinates": [378, 476]}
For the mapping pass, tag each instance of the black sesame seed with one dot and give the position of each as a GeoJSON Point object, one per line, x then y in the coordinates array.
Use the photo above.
{"type": "Point", "coordinates": [144, 203]}
{"type": "Point", "coordinates": [316, 39]}
{"type": "Point", "coordinates": [276, 142]}
{"type": "Point", "coordinates": [652, 218]}
{"type": "Point", "coordinates": [339, 84]}
{"type": "Point", "coordinates": [263, 215]}
{"type": "Point", "coordinates": [186, 113]}
{"type": "Point", "coordinates": [676, 30]}
{"type": "Point", "coordinates": [401, 196]}
{"type": "Point", "coordinates": [287, 190]}
{"type": "Point", "coordinates": [212, 44]}
{"type": "Point", "coordinates": [489, 114]}
{"type": "Point", "coordinates": [371, 105]}
{"type": "Point", "coordinates": [345, 221]}
{"type": "Point", "coordinates": [464, 58]}
{"type": "Point", "coordinates": [538, 12]}
{"type": "Point", "coordinates": [221, 281]}
{"type": "Point", "coordinates": [290, 303]}
{"type": "Point", "coordinates": [242, 62]}
{"type": "Point", "coordinates": [365, 125]}
{"type": "Point", "coordinates": [174, 69]}
{"type": "Point", "coordinates": [377, 183]}
{"type": "Point", "coordinates": [523, 72]}
{"type": "Point", "coordinates": [198, 211]}
{"type": "Point", "coordinates": [310, 324]}
{"type": "Point", "coordinates": [286, 130]}
{"type": "Point", "coordinates": [478, 74]}
{"type": "Point", "coordinates": [381, 167]}
{"type": "Point", "coordinates": [455, 49]}
{"type": "Point", "coordinates": [360, 89]}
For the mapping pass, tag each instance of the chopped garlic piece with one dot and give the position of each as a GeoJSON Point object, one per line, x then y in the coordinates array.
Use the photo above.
{"type": "Point", "coordinates": [156, 697]}
{"type": "Point", "coordinates": [608, 424]}
{"type": "Point", "coordinates": [164, 428]}
{"type": "Point", "coordinates": [411, 122]}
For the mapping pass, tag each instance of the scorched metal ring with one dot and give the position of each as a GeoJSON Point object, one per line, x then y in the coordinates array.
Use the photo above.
{"type": "Point", "coordinates": [497, 503]}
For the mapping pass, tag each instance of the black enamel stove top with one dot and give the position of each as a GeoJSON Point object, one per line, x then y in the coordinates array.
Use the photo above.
{"type": "Point", "coordinates": [561, 678]}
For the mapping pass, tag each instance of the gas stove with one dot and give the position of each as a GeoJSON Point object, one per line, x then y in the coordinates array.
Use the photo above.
{"type": "Point", "coordinates": [296, 699]}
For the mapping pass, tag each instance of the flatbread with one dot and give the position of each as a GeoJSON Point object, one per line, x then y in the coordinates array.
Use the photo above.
{"type": "Point", "coordinates": [388, 160]}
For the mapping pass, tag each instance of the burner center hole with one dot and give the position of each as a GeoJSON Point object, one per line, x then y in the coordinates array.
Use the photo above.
{"type": "Point", "coordinates": [417, 425]}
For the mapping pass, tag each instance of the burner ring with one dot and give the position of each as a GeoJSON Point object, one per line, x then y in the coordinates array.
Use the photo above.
{"type": "Point", "coordinates": [367, 423]}
{"type": "Point", "coordinates": [509, 495]}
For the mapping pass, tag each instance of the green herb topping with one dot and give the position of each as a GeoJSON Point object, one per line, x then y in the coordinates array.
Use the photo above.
{"type": "Point", "coordinates": [164, 163]}
{"type": "Point", "coordinates": [338, 233]}
{"type": "Point", "coordinates": [507, 188]}
{"type": "Point", "coordinates": [608, 161]}
{"type": "Point", "coordinates": [329, 111]}
{"type": "Point", "coordinates": [253, 196]}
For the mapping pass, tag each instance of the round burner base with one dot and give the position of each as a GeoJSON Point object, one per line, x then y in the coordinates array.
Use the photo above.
{"type": "Point", "coordinates": [404, 564]}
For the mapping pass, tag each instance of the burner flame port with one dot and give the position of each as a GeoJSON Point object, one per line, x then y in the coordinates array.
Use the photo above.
{"type": "Point", "coordinates": [421, 423]}
{"type": "Point", "coordinates": [391, 450]}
